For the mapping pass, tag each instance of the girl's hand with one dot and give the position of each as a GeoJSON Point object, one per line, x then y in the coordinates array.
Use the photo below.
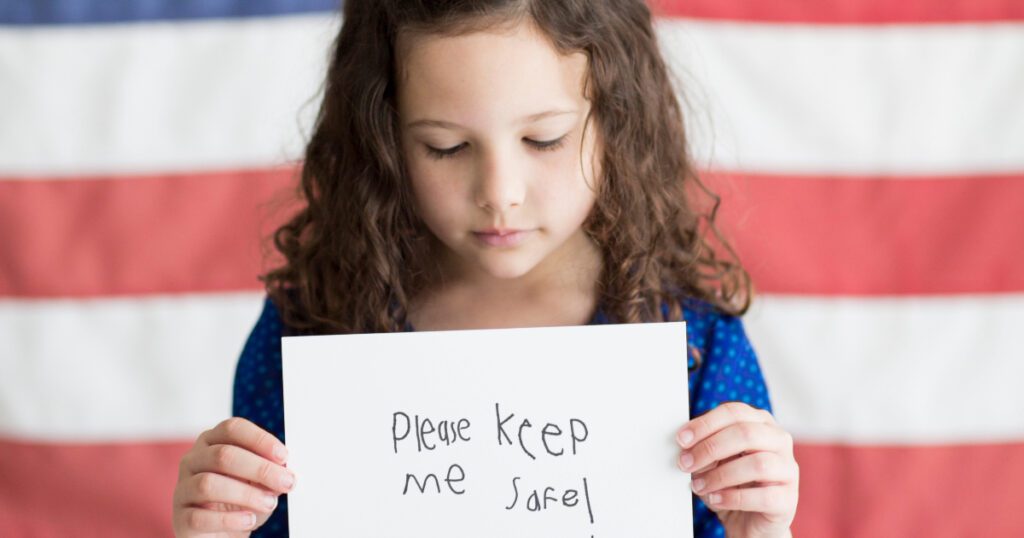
{"type": "Point", "coordinates": [228, 483]}
{"type": "Point", "coordinates": [743, 469]}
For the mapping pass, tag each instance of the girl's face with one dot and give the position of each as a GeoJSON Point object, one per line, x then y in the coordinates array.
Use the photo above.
{"type": "Point", "coordinates": [492, 133]}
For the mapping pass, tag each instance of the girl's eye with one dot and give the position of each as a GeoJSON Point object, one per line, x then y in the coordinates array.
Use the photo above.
{"type": "Point", "coordinates": [547, 145]}
{"type": "Point", "coordinates": [444, 153]}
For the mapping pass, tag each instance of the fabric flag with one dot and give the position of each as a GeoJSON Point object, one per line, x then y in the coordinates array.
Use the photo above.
{"type": "Point", "coordinates": [869, 154]}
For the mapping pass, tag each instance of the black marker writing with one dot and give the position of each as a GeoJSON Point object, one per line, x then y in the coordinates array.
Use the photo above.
{"type": "Point", "coordinates": [549, 434]}
{"type": "Point", "coordinates": [448, 480]}
{"type": "Point", "coordinates": [551, 429]}
{"type": "Point", "coordinates": [547, 498]}
{"type": "Point", "coordinates": [525, 424]}
{"type": "Point", "coordinates": [576, 425]}
{"type": "Point", "coordinates": [556, 441]}
{"type": "Point", "coordinates": [447, 431]}
{"type": "Point", "coordinates": [501, 425]}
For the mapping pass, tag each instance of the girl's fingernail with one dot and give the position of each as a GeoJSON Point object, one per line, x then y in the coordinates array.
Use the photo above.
{"type": "Point", "coordinates": [686, 461]}
{"type": "Point", "coordinates": [281, 453]}
{"type": "Point", "coordinates": [698, 485]}
{"type": "Point", "coordinates": [685, 437]}
{"type": "Point", "coordinates": [252, 521]}
{"type": "Point", "coordinates": [269, 501]}
{"type": "Point", "coordinates": [287, 480]}
{"type": "Point", "coordinates": [714, 498]}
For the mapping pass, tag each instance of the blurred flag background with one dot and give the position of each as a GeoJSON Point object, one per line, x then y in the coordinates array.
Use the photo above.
{"type": "Point", "coordinates": [870, 153]}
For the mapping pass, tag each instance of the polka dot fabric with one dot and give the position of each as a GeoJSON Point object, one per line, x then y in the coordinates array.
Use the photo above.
{"type": "Point", "coordinates": [259, 395]}
{"type": "Point", "coordinates": [728, 371]}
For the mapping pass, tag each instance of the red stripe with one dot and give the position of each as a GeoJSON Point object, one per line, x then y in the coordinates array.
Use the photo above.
{"type": "Point", "coordinates": [862, 236]}
{"type": "Point", "coordinates": [137, 235]}
{"type": "Point", "coordinates": [109, 490]}
{"type": "Point", "coordinates": [802, 235]}
{"type": "Point", "coordinates": [115, 490]}
{"type": "Point", "coordinates": [845, 11]}
{"type": "Point", "coordinates": [934, 491]}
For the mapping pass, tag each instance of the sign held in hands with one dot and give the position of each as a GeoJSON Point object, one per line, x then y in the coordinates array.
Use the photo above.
{"type": "Point", "coordinates": [554, 431]}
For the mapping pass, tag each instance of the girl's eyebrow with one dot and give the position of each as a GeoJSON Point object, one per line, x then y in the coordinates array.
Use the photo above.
{"type": "Point", "coordinates": [521, 121]}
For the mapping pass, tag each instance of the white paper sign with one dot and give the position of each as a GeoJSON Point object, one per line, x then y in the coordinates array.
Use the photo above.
{"type": "Point", "coordinates": [560, 432]}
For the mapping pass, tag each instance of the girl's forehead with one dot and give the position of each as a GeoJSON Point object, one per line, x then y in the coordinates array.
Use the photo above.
{"type": "Point", "coordinates": [514, 70]}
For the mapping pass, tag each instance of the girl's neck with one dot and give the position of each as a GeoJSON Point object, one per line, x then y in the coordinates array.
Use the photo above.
{"type": "Point", "coordinates": [560, 290]}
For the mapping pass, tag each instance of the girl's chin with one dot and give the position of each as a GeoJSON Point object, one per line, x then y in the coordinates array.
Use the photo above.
{"type": "Point", "coordinates": [508, 271]}
{"type": "Point", "coordinates": [508, 266]}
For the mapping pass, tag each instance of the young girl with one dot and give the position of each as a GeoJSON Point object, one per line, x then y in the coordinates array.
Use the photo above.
{"type": "Point", "coordinates": [501, 163]}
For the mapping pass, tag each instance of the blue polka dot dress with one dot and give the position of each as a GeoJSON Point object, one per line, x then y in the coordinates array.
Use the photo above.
{"type": "Point", "coordinates": [728, 371]}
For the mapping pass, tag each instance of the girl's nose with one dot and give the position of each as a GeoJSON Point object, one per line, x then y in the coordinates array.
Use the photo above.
{"type": "Point", "coordinates": [500, 183]}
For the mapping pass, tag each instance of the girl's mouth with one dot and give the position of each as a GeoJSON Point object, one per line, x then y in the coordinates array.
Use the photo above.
{"type": "Point", "coordinates": [501, 237]}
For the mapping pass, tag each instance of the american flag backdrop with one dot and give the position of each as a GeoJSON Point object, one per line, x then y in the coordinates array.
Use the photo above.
{"type": "Point", "coordinates": [870, 154]}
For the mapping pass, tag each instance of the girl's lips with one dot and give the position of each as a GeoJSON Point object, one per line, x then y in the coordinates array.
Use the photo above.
{"type": "Point", "coordinates": [502, 238]}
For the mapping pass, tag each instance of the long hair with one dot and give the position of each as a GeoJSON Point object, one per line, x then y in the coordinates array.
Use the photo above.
{"type": "Point", "coordinates": [356, 252]}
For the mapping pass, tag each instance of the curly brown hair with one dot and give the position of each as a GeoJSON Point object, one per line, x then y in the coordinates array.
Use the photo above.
{"type": "Point", "coordinates": [356, 252]}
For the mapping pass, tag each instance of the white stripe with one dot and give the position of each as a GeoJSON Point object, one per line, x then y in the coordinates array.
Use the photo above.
{"type": "Point", "coordinates": [120, 369]}
{"type": "Point", "coordinates": [852, 99]}
{"type": "Point", "coordinates": [909, 370]}
{"type": "Point", "coordinates": [159, 96]}
{"type": "Point", "coordinates": [893, 370]}
{"type": "Point", "coordinates": [786, 98]}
